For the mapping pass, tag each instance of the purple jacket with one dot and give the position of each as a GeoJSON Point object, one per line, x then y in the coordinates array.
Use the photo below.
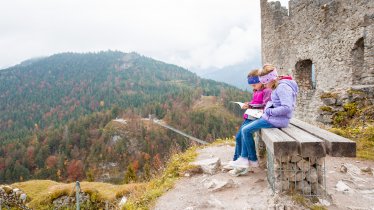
{"type": "Point", "coordinates": [278, 111]}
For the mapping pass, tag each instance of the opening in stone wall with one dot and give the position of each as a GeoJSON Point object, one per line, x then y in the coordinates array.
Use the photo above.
{"type": "Point", "coordinates": [358, 60]}
{"type": "Point", "coordinates": [305, 74]}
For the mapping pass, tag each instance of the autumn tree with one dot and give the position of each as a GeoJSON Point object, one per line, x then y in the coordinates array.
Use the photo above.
{"type": "Point", "coordinates": [130, 175]}
{"type": "Point", "coordinates": [75, 170]}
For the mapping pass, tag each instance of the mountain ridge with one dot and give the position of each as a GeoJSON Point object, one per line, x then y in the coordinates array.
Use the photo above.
{"type": "Point", "coordinates": [57, 110]}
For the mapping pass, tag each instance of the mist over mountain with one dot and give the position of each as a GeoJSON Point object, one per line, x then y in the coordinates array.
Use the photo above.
{"type": "Point", "coordinates": [235, 75]}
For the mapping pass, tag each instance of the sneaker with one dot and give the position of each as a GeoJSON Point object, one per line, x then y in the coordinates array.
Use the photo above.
{"type": "Point", "coordinates": [254, 164]}
{"type": "Point", "coordinates": [227, 167]}
{"type": "Point", "coordinates": [240, 163]}
{"type": "Point", "coordinates": [238, 171]}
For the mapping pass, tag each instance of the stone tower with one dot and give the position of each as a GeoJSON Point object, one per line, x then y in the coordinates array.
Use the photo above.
{"type": "Point", "coordinates": [327, 45]}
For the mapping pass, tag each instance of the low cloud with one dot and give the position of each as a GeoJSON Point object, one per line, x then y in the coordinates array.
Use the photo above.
{"type": "Point", "coordinates": [191, 33]}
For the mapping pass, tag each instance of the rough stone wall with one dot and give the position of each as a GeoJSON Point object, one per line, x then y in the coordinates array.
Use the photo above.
{"type": "Point", "coordinates": [334, 37]}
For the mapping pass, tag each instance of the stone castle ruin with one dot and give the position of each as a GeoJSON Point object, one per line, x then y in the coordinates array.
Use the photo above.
{"type": "Point", "coordinates": [328, 47]}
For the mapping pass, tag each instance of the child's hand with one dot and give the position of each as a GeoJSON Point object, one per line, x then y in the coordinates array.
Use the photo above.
{"type": "Point", "coordinates": [246, 105]}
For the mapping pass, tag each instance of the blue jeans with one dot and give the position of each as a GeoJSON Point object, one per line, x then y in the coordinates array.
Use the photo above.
{"type": "Point", "coordinates": [238, 139]}
{"type": "Point", "coordinates": [248, 143]}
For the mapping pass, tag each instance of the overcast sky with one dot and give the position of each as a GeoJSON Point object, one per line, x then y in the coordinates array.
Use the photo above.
{"type": "Point", "coordinates": [194, 34]}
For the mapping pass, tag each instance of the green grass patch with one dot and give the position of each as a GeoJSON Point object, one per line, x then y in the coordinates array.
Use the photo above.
{"type": "Point", "coordinates": [309, 203]}
{"type": "Point", "coordinates": [344, 118]}
{"type": "Point", "coordinates": [41, 193]}
{"type": "Point", "coordinates": [364, 137]}
{"type": "Point", "coordinates": [225, 141]}
{"type": "Point", "coordinates": [318, 207]}
{"type": "Point", "coordinates": [299, 199]}
{"type": "Point", "coordinates": [177, 165]}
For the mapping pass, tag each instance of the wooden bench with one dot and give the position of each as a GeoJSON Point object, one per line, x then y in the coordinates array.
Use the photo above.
{"type": "Point", "coordinates": [296, 154]}
{"type": "Point", "coordinates": [306, 140]}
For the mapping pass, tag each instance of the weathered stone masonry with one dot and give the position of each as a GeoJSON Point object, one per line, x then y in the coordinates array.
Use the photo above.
{"type": "Point", "coordinates": [327, 45]}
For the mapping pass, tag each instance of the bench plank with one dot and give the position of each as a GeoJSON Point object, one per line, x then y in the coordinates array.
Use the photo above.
{"type": "Point", "coordinates": [279, 143]}
{"type": "Point", "coordinates": [336, 146]}
{"type": "Point", "coordinates": [309, 145]}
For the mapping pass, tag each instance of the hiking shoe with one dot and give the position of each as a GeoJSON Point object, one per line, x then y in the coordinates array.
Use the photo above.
{"type": "Point", "coordinates": [238, 171]}
{"type": "Point", "coordinates": [240, 163]}
{"type": "Point", "coordinates": [227, 167]}
{"type": "Point", "coordinates": [254, 164]}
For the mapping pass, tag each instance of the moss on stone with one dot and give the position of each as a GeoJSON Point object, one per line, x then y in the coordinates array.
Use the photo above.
{"type": "Point", "coordinates": [350, 108]}
{"type": "Point", "coordinates": [329, 95]}
{"type": "Point", "coordinates": [325, 108]}
{"type": "Point", "coordinates": [342, 118]}
{"type": "Point", "coordinates": [358, 92]}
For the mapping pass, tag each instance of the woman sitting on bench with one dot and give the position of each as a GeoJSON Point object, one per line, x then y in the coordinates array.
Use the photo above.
{"type": "Point", "coordinates": [277, 113]}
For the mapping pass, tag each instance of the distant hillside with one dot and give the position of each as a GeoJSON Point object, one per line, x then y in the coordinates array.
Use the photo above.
{"type": "Point", "coordinates": [56, 116]}
{"type": "Point", "coordinates": [234, 75]}
{"type": "Point", "coordinates": [50, 91]}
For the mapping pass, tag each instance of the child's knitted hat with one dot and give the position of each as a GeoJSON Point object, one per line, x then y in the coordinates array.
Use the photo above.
{"type": "Point", "coordinates": [273, 75]}
{"type": "Point", "coordinates": [253, 80]}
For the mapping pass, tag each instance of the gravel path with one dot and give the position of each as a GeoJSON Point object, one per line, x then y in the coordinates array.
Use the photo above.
{"type": "Point", "coordinates": [253, 192]}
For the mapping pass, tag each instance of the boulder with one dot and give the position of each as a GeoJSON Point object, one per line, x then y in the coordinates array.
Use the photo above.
{"type": "Point", "coordinates": [324, 202]}
{"type": "Point", "coordinates": [223, 185]}
{"type": "Point", "coordinates": [210, 184]}
{"type": "Point", "coordinates": [217, 185]}
{"type": "Point", "coordinates": [367, 170]}
{"type": "Point", "coordinates": [342, 187]}
{"type": "Point", "coordinates": [343, 168]}
{"type": "Point", "coordinates": [7, 189]}
{"type": "Point", "coordinates": [209, 166]}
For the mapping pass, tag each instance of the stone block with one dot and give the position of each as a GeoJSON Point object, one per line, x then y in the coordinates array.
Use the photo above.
{"type": "Point", "coordinates": [328, 101]}
{"type": "Point", "coordinates": [304, 187]}
{"type": "Point", "coordinates": [298, 176]}
{"type": "Point", "coordinates": [303, 165]}
{"type": "Point", "coordinates": [209, 166]}
{"type": "Point", "coordinates": [325, 118]}
{"type": "Point", "coordinates": [312, 176]}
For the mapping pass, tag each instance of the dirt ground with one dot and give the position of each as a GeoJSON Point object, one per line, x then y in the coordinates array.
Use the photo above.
{"type": "Point", "coordinates": [252, 191]}
{"type": "Point", "coordinates": [360, 194]}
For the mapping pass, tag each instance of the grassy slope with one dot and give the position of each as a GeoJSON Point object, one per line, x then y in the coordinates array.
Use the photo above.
{"type": "Point", "coordinates": [357, 129]}
{"type": "Point", "coordinates": [41, 193]}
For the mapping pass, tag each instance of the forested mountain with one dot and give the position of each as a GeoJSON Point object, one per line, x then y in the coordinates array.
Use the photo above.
{"type": "Point", "coordinates": [56, 114]}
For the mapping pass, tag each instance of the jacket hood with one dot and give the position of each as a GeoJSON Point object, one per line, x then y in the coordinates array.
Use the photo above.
{"type": "Point", "coordinates": [290, 83]}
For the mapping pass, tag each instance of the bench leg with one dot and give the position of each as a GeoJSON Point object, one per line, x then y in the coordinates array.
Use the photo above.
{"type": "Point", "coordinates": [305, 175]}
{"type": "Point", "coordinates": [260, 149]}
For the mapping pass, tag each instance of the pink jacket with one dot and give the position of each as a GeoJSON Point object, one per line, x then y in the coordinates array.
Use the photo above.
{"type": "Point", "coordinates": [260, 97]}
